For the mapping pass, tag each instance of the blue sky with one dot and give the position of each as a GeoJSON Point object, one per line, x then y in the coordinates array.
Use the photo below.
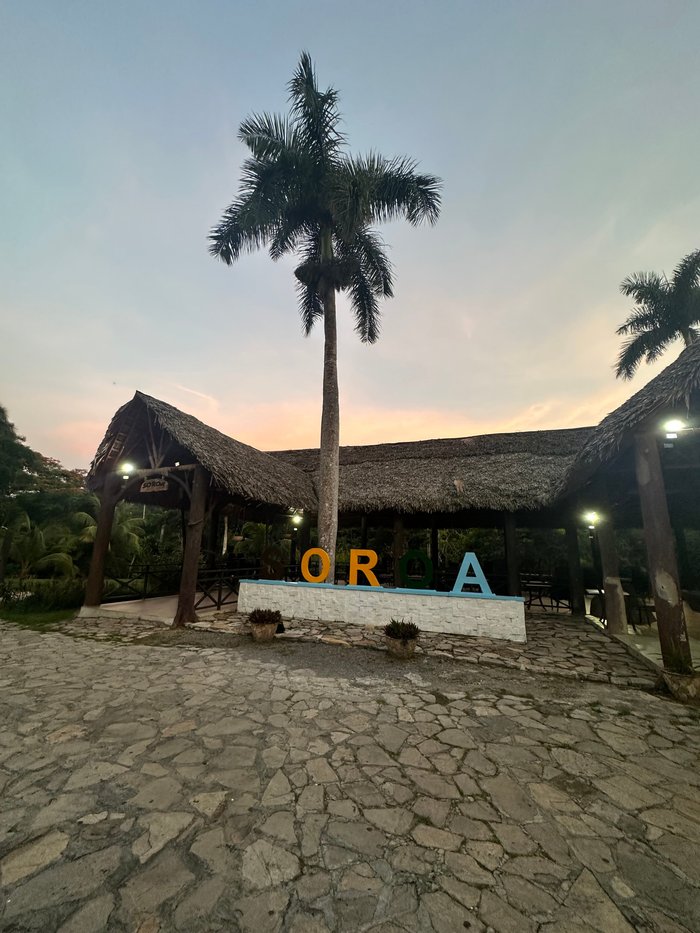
{"type": "Point", "coordinates": [566, 134]}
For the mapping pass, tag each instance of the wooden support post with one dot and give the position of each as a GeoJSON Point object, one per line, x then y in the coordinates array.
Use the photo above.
{"type": "Point", "coordinates": [398, 548]}
{"type": "Point", "coordinates": [615, 612]}
{"type": "Point", "coordinates": [663, 566]}
{"type": "Point", "coordinates": [363, 532]}
{"type": "Point", "coordinates": [293, 549]}
{"type": "Point", "coordinates": [434, 548]}
{"type": "Point", "coordinates": [578, 603]}
{"type": "Point", "coordinates": [305, 533]}
{"type": "Point", "coordinates": [510, 541]}
{"type": "Point", "coordinates": [213, 538]}
{"type": "Point", "coordinates": [105, 517]}
{"type": "Point", "coordinates": [190, 560]}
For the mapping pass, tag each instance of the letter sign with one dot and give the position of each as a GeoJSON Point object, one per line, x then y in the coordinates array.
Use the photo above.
{"type": "Point", "coordinates": [365, 567]}
{"type": "Point", "coordinates": [476, 576]}
{"type": "Point", "coordinates": [325, 565]}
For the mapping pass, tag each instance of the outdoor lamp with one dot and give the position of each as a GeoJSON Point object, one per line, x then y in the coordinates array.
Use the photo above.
{"type": "Point", "coordinates": [591, 518]}
{"type": "Point", "coordinates": [297, 519]}
{"type": "Point", "coordinates": [126, 469]}
{"type": "Point", "coordinates": [672, 428]}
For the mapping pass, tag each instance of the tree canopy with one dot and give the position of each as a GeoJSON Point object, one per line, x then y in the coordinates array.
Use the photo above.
{"type": "Point", "coordinates": [665, 310]}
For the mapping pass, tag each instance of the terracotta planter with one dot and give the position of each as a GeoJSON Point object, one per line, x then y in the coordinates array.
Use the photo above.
{"type": "Point", "coordinates": [264, 632]}
{"type": "Point", "coordinates": [401, 648]}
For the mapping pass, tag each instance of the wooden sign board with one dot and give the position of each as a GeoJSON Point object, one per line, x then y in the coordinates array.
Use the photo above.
{"type": "Point", "coordinates": [154, 485]}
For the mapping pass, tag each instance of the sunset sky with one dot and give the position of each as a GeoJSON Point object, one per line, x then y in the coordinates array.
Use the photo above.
{"type": "Point", "coordinates": [567, 135]}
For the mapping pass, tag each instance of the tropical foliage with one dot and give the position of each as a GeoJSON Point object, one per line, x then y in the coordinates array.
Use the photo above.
{"type": "Point", "coordinates": [47, 527]}
{"type": "Point", "coordinates": [665, 310]}
{"type": "Point", "coordinates": [302, 193]}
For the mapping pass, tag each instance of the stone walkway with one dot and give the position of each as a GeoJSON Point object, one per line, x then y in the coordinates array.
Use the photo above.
{"type": "Point", "coordinates": [556, 644]}
{"type": "Point", "coordinates": [307, 789]}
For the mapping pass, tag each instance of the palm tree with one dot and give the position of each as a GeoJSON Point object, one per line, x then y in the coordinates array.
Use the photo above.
{"type": "Point", "coordinates": [665, 310]}
{"type": "Point", "coordinates": [302, 193]}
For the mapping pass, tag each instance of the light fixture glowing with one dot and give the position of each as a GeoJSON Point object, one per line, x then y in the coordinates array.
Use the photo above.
{"type": "Point", "coordinates": [177, 463]}
{"type": "Point", "coordinates": [674, 426]}
{"type": "Point", "coordinates": [127, 468]}
{"type": "Point", "coordinates": [591, 518]}
{"type": "Point", "coordinates": [297, 519]}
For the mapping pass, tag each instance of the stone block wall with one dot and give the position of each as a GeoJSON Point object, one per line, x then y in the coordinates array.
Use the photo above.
{"type": "Point", "coordinates": [450, 613]}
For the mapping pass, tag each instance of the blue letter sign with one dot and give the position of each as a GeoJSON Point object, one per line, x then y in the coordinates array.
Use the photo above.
{"type": "Point", "coordinates": [471, 573]}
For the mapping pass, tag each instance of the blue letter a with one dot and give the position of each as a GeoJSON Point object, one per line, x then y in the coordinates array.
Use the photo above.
{"type": "Point", "coordinates": [471, 572]}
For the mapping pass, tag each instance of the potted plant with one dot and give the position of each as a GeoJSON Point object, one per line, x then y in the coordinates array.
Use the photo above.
{"type": "Point", "coordinates": [264, 623]}
{"type": "Point", "coordinates": [401, 638]}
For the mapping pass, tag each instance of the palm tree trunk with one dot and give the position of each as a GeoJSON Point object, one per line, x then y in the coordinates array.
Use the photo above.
{"type": "Point", "coordinates": [330, 423]}
{"type": "Point", "coordinates": [689, 336]}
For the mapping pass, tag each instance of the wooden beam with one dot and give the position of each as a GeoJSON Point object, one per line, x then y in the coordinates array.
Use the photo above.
{"type": "Point", "coordinates": [510, 540]}
{"type": "Point", "coordinates": [576, 588]}
{"type": "Point", "coordinates": [190, 560]}
{"type": "Point", "coordinates": [663, 565]}
{"type": "Point", "coordinates": [105, 518]}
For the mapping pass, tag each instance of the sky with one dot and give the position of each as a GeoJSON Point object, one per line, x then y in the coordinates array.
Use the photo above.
{"type": "Point", "coordinates": [566, 134]}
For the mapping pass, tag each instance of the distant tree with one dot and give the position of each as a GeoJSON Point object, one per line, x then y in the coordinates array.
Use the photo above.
{"type": "Point", "coordinates": [302, 193]}
{"type": "Point", "coordinates": [16, 458]}
{"type": "Point", "coordinates": [16, 462]}
{"type": "Point", "coordinates": [665, 310]}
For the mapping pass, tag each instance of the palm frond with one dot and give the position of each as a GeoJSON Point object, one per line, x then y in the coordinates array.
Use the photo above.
{"type": "Point", "coordinates": [268, 136]}
{"type": "Point", "coordinates": [640, 320]}
{"type": "Point", "coordinates": [647, 346]}
{"type": "Point", "coordinates": [686, 275]}
{"type": "Point", "coordinates": [370, 189]}
{"type": "Point", "coordinates": [315, 113]}
{"type": "Point", "coordinates": [365, 307]}
{"type": "Point", "coordinates": [310, 303]}
{"type": "Point", "coordinates": [647, 288]}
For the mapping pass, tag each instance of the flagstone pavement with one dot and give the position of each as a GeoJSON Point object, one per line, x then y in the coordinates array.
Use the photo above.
{"type": "Point", "coordinates": [305, 788]}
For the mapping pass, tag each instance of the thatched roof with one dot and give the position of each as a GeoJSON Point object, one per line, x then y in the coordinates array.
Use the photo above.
{"type": "Point", "coordinates": [500, 472]}
{"type": "Point", "coordinates": [503, 472]}
{"type": "Point", "coordinates": [676, 388]}
{"type": "Point", "coordinates": [238, 469]}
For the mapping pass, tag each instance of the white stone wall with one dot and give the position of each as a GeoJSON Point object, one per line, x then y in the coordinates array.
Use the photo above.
{"type": "Point", "coordinates": [491, 617]}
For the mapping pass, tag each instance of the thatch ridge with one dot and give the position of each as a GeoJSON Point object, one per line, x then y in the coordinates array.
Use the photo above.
{"type": "Point", "coordinates": [237, 468]}
{"type": "Point", "coordinates": [674, 387]}
{"type": "Point", "coordinates": [504, 472]}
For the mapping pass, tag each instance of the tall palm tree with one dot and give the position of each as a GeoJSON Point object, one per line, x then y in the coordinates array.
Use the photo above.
{"type": "Point", "coordinates": [302, 193]}
{"type": "Point", "coordinates": [665, 311]}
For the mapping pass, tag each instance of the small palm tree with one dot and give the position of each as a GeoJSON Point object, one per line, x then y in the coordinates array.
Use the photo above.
{"type": "Point", "coordinates": [30, 552]}
{"type": "Point", "coordinates": [302, 193]}
{"type": "Point", "coordinates": [665, 311]}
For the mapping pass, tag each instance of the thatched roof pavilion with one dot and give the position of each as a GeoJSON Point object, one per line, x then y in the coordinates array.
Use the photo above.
{"type": "Point", "coordinates": [526, 478]}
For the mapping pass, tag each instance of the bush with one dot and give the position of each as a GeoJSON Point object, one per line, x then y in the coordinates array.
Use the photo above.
{"type": "Point", "coordinates": [403, 631]}
{"type": "Point", "coordinates": [265, 617]}
{"type": "Point", "coordinates": [42, 595]}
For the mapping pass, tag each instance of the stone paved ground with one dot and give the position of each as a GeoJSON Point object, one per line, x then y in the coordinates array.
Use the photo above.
{"type": "Point", "coordinates": [556, 644]}
{"type": "Point", "coordinates": [304, 788]}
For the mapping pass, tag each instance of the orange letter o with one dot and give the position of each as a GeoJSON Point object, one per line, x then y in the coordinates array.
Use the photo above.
{"type": "Point", "coordinates": [325, 565]}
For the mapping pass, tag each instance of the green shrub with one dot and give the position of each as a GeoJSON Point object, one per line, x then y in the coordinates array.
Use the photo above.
{"type": "Point", "coordinates": [403, 631]}
{"type": "Point", "coordinates": [265, 617]}
{"type": "Point", "coordinates": [42, 595]}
